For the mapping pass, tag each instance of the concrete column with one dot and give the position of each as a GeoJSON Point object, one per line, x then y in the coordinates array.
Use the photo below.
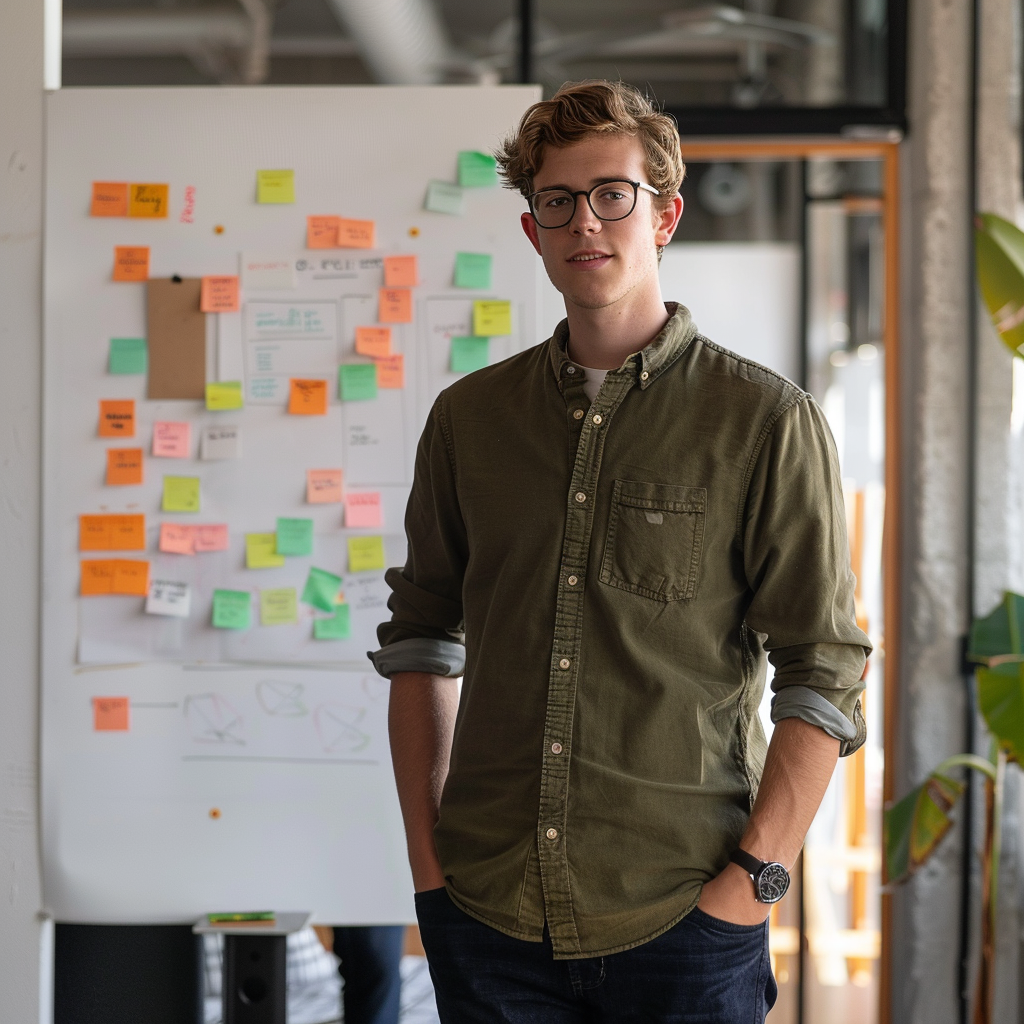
{"type": "Point", "coordinates": [21, 218]}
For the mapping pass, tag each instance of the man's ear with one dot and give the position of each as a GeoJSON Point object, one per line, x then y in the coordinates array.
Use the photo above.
{"type": "Point", "coordinates": [532, 233]}
{"type": "Point", "coordinates": [667, 220]}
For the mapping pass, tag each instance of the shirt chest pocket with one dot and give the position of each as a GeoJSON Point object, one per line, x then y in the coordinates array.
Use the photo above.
{"type": "Point", "coordinates": [655, 537]}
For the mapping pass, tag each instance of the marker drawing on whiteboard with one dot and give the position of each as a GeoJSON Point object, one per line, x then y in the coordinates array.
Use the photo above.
{"type": "Point", "coordinates": [188, 211]}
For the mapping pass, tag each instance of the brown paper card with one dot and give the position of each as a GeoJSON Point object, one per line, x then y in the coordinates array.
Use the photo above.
{"type": "Point", "coordinates": [176, 337]}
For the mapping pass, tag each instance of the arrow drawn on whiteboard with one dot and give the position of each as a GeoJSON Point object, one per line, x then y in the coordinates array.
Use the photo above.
{"type": "Point", "coordinates": [337, 728]}
{"type": "Point", "coordinates": [212, 719]}
{"type": "Point", "coordinates": [283, 700]}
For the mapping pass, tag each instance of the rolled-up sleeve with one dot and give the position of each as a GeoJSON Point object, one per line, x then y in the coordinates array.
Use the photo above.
{"type": "Point", "coordinates": [425, 632]}
{"type": "Point", "coordinates": [797, 562]}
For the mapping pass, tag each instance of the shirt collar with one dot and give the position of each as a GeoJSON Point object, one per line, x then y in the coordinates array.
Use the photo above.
{"type": "Point", "coordinates": [645, 366]}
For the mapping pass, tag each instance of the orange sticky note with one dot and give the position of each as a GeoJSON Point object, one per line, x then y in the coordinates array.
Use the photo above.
{"type": "Point", "coordinates": [307, 397]}
{"type": "Point", "coordinates": [117, 418]}
{"type": "Point", "coordinates": [356, 234]}
{"type": "Point", "coordinates": [176, 539]}
{"type": "Point", "coordinates": [131, 262]}
{"type": "Point", "coordinates": [395, 306]}
{"type": "Point", "coordinates": [171, 440]}
{"type": "Point", "coordinates": [322, 232]}
{"type": "Point", "coordinates": [110, 714]}
{"type": "Point", "coordinates": [147, 200]}
{"type": "Point", "coordinates": [115, 576]}
{"type": "Point", "coordinates": [323, 486]}
{"type": "Point", "coordinates": [219, 295]}
{"type": "Point", "coordinates": [109, 199]}
{"type": "Point", "coordinates": [400, 272]}
{"type": "Point", "coordinates": [124, 466]}
{"type": "Point", "coordinates": [210, 537]}
{"type": "Point", "coordinates": [373, 341]}
{"type": "Point", "coordinates": [112, 533]}
{"type": "Point", "coordinates": [391, 371]}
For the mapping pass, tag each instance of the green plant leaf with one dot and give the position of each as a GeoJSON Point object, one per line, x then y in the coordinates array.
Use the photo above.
{"type": "Point", "coordinates": [999, 251]}
{"type": "Point", "coordinates": [914, 826]}
{"type": "Point", "coordinates": [1000, 634]}
{"type": "Point", "coordinates": [1001, 699]}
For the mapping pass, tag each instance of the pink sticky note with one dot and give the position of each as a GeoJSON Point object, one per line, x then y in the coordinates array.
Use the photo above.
{"type": "Point", "coordinates": [171, 440]}
{"type": "Point", "coordinates": [363, 509]}
{"type": "Point", "coordinates": [176, 539]}
{"type": "Point", "coordinates": [212, 537]}
{"type": "Point", "coordinates": [323, 486]}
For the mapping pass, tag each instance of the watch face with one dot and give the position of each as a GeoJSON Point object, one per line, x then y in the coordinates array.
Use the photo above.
{"type": "Point", "coordinates": [772, 883]}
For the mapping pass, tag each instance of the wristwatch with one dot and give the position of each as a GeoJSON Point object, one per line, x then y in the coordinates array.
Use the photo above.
{"type": "Point", "coordinates": [771, 879]}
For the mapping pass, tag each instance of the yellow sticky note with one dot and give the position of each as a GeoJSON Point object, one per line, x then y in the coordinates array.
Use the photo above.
{"type": "Point", "coordinates": [279, 607]}
{"type": "Point", "coordinates": [261, 551]}
{"type": "Point", "coordinates": [275, 186]}
{"type": "Point", "coordinates": [224, 395]}
{"type": "Point", "coordinates": [365, 553]}
{"type": "Point", "coordinates": [147, 200]}
{"type": "Point", "coordinates": [181, 494]}
{"type": "Point", "coordinates": [492, 317]}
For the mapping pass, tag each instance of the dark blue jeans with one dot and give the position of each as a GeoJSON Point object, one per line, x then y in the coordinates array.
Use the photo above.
{"type": "Point", "coordinates": [701, 971]}
{"type": "Point", "coordinates": [370, 958]}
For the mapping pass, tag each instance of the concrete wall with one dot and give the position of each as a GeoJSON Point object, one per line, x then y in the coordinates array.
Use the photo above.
{"type": "Point", "coordinates": [21, 184]}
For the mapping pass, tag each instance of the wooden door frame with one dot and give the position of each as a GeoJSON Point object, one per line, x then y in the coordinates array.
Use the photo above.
{"type": "Point", "coordinates": [703, 150]}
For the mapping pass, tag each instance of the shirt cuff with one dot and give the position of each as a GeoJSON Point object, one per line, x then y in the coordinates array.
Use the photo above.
{"type": "Point", "coordinates": [803, 702]}
{"type": "Point", "coordinates": [438, 657]}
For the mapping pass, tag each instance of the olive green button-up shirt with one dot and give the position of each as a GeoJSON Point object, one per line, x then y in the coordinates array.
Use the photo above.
{"type": "Point", "coordinates": [618, 572]}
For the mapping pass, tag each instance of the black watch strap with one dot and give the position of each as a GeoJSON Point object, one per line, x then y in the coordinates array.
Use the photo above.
{"type": "Point", "coordinates": [748, 862]}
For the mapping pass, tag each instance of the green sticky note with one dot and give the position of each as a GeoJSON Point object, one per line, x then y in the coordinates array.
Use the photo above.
{"type": "Point", "coordinates": [443, 197]}
{"type": "Point", "coordinates": [337, 627]}
{"type": "Point", "coordinates": [357, 381]}
{"type": "Point", "coordinates": [472, 270]}
{"type": "Point", "coordinates": [275, 186]}
{"type": "Point", "coordinates": [181, 494]}
{"type": "Point", "coordinates": [261, 551]}
{"type": "Point", "coordinates": [469, 354]}
{"type": "Point", "coordinates": [232, 609]}
{"type": "Point", "coordinates": [477, 170]}
{"type": "Point", "coordinates": [321, 589]}
{"type": "Point", "coordinates": [224, 395]}
{"type": "Point", "coordinates": [278, 607]}
{"type": "Point", "coordinates": [295, 536]}
{"type": "Point", "coordinates": [491, 317]}
{"type": "Point", "coordinates": [365, 553]}
{"type": "Point", "coordinates": [127, 355]}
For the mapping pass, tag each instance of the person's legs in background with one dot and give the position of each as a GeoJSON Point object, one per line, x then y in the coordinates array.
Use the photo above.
{"type": "Point", "coordinates": [370, 959]}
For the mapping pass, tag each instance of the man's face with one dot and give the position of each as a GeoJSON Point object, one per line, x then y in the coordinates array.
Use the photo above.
{"type": "Point", "coordinates": [596, 263]}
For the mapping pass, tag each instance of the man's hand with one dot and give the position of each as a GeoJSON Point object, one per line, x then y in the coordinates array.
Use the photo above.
{"type": "Point", "coordinates": [730, 897]}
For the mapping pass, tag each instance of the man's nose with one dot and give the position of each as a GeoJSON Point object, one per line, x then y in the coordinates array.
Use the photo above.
{"type": "Point", "coordinates": [584, 220]}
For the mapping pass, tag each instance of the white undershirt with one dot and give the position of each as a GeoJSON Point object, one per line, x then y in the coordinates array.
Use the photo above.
{"type": "Point", "coordinates": [593, 381]}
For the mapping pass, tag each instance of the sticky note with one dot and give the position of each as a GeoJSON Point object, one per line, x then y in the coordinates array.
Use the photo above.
{"type": "Point", "coordinates": [261, 551]}
{"type": "Point", "coordinates": [357, 381]}
{"type": "Point", "coordinates": [337, 627]}
{"type": "Point", "coordinates": [109, 199]}
{"type": "Point", "coordinates": [110, 714]}
{"type": "Point", "coordinates": [219, 294]}
{"type": "Point", "coordinates": [232, 609]}
{"type": "Point", "coordinates": [469, 354]}
{"type": "Point", "coordinates": [391, 371]}
{"type": "Point", "coordinates": [395, 306]}
{"type": "Point", "coordinates": [112, 533]}
{"type": "Point", "coordinates": [321, 589]}
{"type": "Point", "coordinates": [400, 272]}
{"type": "Point", "coordinates": [322, 232]}
{"type": "Point", "coordinates": [323, 486]}
{"type": "Point", "coordinates": [168, 597]}
{"type": "Point", "coordinates": [181, 494]}
{"type": "Point", "coordinates": [115, 576]}
{"type": "Point", "coordinates": [210, 537]}
{"type": "Point", "coordinates": [275, 186]}
{"type": "Point", "coordinates": [294, 536]}
{"type": "Point", "coordinates": [147, 200]}
{"type": "Point", "coordinates": [131, 262]}
{"type": "Point", "coordinates": [492, 317]}
{"type": "Point", "coordinates": [117, 418]}
{"type": "Point", "coordinates": [171, 440]}
{"type": "Point", "coordinates": [365, 553]}
{"type": "Point", "coordinates": [224, 395]}
{"type": "Point", "coordinates": [373, 341]}
{"type": "Point", "coordinates": [220, 443]}
{"type": "Point", "coordinates": [472, 270]}
{"type": "Point", "coordinates": [124, 466]}
{"type": "Point", "coordinates": [356, 234]}
{"type": "Point", "coordinates": [443, 197]}
{"type": "Point", "coordinates": [363, 509]}
{"type": "Point", "coordinates": [278, 607]}
{"type": "Point", "coordinates": [477, 170]}
{"type": "Point", "coordinates": [307, 397]}
{"type": "Point", "coordinates": [176, 539]}
{"type": "Point", "coordinates": [127, 355]}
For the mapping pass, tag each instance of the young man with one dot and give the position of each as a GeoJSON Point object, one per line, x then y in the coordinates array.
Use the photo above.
{"type": "Point", "coordinates": [607, 533]}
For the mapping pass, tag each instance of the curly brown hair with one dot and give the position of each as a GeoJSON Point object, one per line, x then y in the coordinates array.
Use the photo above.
{"type": "Point", "coordinates": [582, 109]}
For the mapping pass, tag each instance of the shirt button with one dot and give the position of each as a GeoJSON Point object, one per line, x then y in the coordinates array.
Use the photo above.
{"type": "Point", "coordinates": [577, 414]}
{"type": "Point", "coordinates": [580, 497]}
{"type": "Point", "coordinates": [564, 663]}
{"type": "Point", "coordinates": [570, 369]}
{"type": "Point", "coordinates": [573, 580]}
{"type": "Point", "coordinates": [552, 833]}
{"type": "Point", "coordinates": [597, 419]}
{"type": "Point", "coordinates": [556, 748]}
{"type": "Point", "coordinates": [644, 375]}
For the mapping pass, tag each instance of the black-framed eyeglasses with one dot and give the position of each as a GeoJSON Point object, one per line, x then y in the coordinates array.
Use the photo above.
{"type": "Point", "coordinates": [610, 200]}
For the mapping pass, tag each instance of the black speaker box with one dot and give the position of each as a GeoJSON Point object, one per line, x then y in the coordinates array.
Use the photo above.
{"type": "Point", "coordinates": [254, 971]}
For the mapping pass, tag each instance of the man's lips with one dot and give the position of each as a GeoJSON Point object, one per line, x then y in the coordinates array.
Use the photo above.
{"type": "Point", "coordinates": [589, 258]}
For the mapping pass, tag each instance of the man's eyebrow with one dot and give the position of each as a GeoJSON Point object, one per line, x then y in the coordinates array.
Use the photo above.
{"type": "Point", "coordinates": [593, 181]}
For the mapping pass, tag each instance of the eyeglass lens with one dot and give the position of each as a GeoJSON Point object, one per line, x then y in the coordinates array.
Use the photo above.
{"type": "Point", "coordinates": [611, 200]}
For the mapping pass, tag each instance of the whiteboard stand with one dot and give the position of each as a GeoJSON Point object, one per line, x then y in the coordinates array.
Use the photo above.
{"type": "Point", "coordinates": [254, 981]}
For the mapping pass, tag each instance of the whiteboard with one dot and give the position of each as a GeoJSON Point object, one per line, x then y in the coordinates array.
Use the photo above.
{"type": "Point", "coordinates": [255, 771]}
